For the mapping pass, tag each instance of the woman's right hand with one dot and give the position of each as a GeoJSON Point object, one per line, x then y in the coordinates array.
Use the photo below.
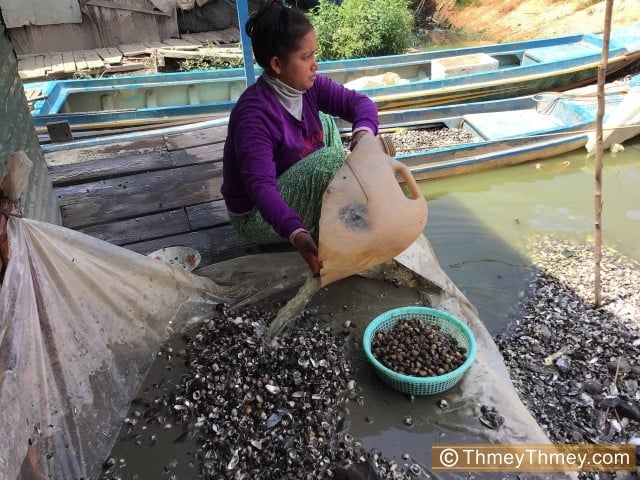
{"type": "Point", "coordinates": [306, 245]}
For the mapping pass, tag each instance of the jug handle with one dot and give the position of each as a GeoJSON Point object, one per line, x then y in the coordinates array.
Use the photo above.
{"type": "Point", "coordinates": [402, 169]}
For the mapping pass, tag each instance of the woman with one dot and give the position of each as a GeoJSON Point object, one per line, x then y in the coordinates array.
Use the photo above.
{"type": "Point", "coordinates": [283, 147]}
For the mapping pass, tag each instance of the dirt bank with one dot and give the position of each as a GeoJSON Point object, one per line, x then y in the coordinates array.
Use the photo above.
{"type": "Point", "coordinates": [513, 20]}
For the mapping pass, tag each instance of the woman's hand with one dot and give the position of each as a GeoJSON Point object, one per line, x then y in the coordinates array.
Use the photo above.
{"type": "Point", "coordinates": [306, 245]}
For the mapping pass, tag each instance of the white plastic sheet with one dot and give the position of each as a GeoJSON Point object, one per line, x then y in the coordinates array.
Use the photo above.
{"type": "Point", "coordinates": [81, 319]}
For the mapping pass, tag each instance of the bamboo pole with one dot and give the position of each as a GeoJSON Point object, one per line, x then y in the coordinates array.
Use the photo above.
{"type": "Point", "coordinates": [602, 74]}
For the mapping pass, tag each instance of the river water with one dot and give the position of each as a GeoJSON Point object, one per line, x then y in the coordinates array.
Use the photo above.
{"type": "Point", "coordinates": [479, 224]}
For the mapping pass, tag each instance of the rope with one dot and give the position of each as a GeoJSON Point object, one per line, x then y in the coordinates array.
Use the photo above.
{"type": "Point", "coordinates": [7, 213]}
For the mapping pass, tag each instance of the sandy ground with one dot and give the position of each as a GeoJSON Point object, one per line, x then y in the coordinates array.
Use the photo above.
{"type": "Point", "coordinates": [513, 20]}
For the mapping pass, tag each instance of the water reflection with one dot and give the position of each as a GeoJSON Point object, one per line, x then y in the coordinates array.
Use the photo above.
{"type": "Point", "coordinates": [479, 224]}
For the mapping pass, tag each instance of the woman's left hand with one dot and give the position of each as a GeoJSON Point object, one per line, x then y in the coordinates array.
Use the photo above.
{"type": "Point", "coordinates": [306, 245]}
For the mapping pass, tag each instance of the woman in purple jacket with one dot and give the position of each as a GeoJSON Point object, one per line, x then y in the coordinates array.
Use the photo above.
{"type": "Point", "coordinates": [283, 147]}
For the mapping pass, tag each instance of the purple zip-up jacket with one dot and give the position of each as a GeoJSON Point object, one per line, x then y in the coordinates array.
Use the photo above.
{"type": "Point", "coordinates": [264, 140]}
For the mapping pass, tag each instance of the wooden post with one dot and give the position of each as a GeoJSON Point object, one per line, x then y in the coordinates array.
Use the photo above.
{"type": "Point", "coordinates": [602, 74]}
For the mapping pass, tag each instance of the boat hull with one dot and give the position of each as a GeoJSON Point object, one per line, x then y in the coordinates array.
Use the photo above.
{"type": "Point", "coordinates": [523, 68]}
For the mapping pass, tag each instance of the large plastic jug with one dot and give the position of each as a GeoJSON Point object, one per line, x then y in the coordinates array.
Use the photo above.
{"type": "Point", "coordinates": [366, 219]}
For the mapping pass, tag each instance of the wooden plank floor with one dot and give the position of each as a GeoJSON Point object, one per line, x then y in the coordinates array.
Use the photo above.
{"type": "Point", "coordinates": [149, 194]}
{"type": "Point", "coordinates": [126, 58]}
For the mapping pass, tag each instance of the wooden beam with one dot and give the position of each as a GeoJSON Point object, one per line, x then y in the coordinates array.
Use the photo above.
{"type": "Point", "coordinates": [179, 43]}
{"type": "Point", "coordinates": [117, 6]}
{"type": "Point", "coordinates": [69, 64]}
{"type": "Point", "coordinates": [104, 168]}
{"type": "Point", "coordinates": [81, 62]}
{"type": "Point", "coordinates": [139, 194]}
{"type": "Point", "coordinates": [26, 67]}
{"type": "Point", "coordinates": [205, 153]}
{"type": "Point", "coordinates": [93, 59]}
{"type": "Point", "coordinates": [148, 227]}
{"type": "Point", "coordinates": [132, 49]}
{"type": "Point", "coordinates": [205, 215]}
{"type": "Point", "coordinates": [110, 55]}
{"type": "Point", "coordinates": [196, 138]}
{"type": "Point", "coordinates": [57, 63]}
{"type": "Point", "coordinates": [214, 244]}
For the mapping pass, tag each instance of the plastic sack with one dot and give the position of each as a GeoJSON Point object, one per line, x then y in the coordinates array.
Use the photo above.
{"type": "Point", "coordinates": [81, 320]}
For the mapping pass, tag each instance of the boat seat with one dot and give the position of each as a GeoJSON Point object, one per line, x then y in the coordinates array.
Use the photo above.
{"type": "Point", "coordinates": [556, 53]}
{"type": "Point", "coordinates": [500, 125]}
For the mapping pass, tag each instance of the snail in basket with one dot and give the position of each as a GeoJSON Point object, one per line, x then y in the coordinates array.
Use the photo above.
{"type": "Point", "coordinates": [417, 348]}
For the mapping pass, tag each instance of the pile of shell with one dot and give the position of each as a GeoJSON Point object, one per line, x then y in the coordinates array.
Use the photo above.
{"type": "Point", "coordinates": [408, 141]}
{"type": "Point", "coordinates": [269, 412]}
{"type": "Point", "coordinates": [416, 348]}
{"type": "Point", "coordinates": [577, 367]}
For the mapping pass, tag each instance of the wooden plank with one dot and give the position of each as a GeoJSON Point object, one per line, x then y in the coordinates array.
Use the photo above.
{"type": "Point", "coordinates": [196, 138]}
{"type": "Point", "coordinates": [93, 59]}
{"type": "Point", "coordinates": [69, 64]}
{"type": "Point", "coordinates": [39, 70]}
{"type": "Point", "coordinates": [112, 167]}
{"type": "Point", "coordinates": [191, 39]}
{"type": "Point", "coordinates": [57, 64]}
{"type": "Point", "coordinates": [153, 45]}
{"type": "Point", "coordinates": [81, 62]}
{"type": "Point", "coordinates": [110, 56]}
{"type": "Point", "coordinates": [27, 68]}
{"type": "Point", "coordinates": [205, 215]}
{"type": "Point", "coordinates": [46, 60]}
{"type": "Point", "coordinates": [202, 154]}
{"type": "Point", "coordinates": [140, 229]}
{"type": "Point", "coordinates": [206, 37]}
{"type": "Point", "coordinates": [109, 150]}
{"type": "Point", "coordinates": [127, 67]}
{"type": "Point", "coordinates": [114, 55]}
{"type": "Point", "coordinates": [132, 49]}
{"type": "Point", "coordinates": [214, 244]}
{"type": "Point", "coordinates": [139, 194]}
{"type": "Point", "coordinates": [176, 42]}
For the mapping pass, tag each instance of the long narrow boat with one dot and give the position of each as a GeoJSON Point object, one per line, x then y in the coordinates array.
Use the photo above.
{"type": "Point", "coordinates": [503, 132]}
{"type": "Point", "coordinates": [514, 131]}
{"type": "Point", "coordinates": [417, 80]}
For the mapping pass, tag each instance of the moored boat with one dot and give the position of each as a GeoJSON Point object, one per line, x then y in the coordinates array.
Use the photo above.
{"type": "Point", "coordinates": [502, 132]}
{"type": "Point", "coordinates": [394, 82]}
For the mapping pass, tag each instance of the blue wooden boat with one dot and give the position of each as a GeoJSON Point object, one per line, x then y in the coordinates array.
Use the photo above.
{"type": "Point", "coordinates": [505, 132]}
{"type": "Point", "coordinates": [513, 131]}
{"type": "Point", "coordinates": [426, 79]}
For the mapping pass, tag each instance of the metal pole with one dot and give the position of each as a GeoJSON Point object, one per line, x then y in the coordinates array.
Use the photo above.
{"type": "Point", "coordinates": [247, 55]}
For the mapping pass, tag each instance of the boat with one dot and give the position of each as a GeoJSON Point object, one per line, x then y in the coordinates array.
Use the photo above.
{"type": "Point", "coordinates": [503, 132]}
{"type": "Point", "coordinates": [394, 82]}
{"type": "Point", "coordinates": [514, 131]}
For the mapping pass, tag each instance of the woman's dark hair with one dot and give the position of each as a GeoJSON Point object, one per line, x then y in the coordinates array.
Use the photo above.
{"type": "Point", "coordinates": [275, 31]}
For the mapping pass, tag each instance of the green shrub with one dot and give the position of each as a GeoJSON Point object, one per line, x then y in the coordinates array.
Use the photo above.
{"type": "Point", "coordinates": [362, 28]}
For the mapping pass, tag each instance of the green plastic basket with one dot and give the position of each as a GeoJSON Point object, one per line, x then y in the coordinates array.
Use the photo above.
{"type": "Point", "coordinates": [421, 386]}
